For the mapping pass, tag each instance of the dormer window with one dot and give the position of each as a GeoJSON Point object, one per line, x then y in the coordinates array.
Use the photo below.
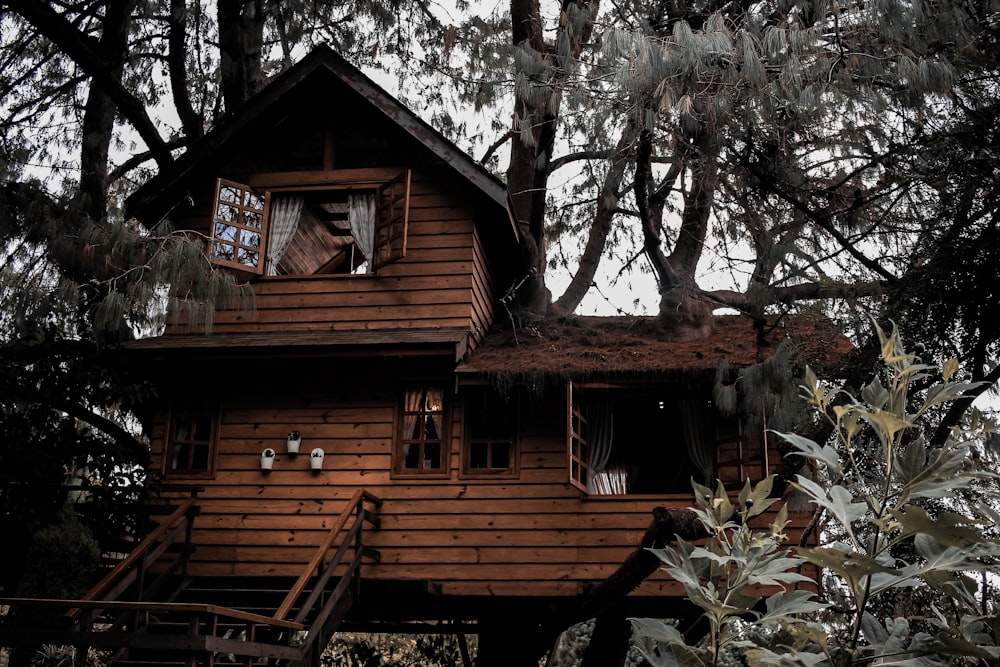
{"type": "Point", "coordinates": [310, 228]}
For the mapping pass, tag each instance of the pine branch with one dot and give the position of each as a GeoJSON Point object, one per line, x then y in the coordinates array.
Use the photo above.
{"type": "Point", "coordinates": [84, 51]}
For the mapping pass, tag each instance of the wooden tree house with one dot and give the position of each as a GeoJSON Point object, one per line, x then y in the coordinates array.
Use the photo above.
{"type": "Point", "coordinates": [467, 478]}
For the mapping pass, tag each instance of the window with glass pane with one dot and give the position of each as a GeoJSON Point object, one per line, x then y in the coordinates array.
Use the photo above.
{"type": "Point", "coordinates": [490, 427]}
{"type": "Point", "coordinates": [239, 227]}
{"type": "Point", "coordinates": [190, 441]}
{"type": "Point", "coordinates": [421, 446]}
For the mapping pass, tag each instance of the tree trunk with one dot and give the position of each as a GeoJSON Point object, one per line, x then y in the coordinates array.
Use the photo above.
{"type": "Point", "coordinates": [82, 49]}
{"type": "Point", "coordinates": [241, 43]}
{"type": "Point", "coordinates": [531, 149]}
{"type": "Point", "coordinates": [99, 112]}
{"type": "Point", "coordinates": [683, 311]}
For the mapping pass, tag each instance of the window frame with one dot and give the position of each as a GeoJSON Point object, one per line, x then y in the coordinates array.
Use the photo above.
{"type": "Point", "coordinates": [745, 450]}
{"type": "Point", "coordinates": [261, 250]}
{"type": "Point", "coordinates": [577, 447]}
{"type": "Point", "coordinates": [399, 424]}
{"type": "Point", "coordinates": [392, 222]}
{"type": "Point", "coordinates": [392, 188]}
{"type": "Point", "coordinates": [512, 471]}
{"type": "Point", "coordinates": [197, 409]}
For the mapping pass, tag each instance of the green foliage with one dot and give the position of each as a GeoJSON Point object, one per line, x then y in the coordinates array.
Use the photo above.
{"type": "Point", "coordinates": [62, 560]}
{"type": "Point", "coordinates": [65, 656]}
{"type": "Point", "coordinates": [723, 576]}
{"type": "Point", "coordinates": [351, 649]}
{"type": "Point", "coordinates": [903, 534]}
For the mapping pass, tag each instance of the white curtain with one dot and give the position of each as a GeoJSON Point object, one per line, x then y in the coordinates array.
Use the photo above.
{"type": "Point", "coordinates": [412, 402]}
{"type": "Point", "coordinates": [434, 407]}
{"type": "Point", "coordinates": [697, 440]}
{"type": "Point", "coordinates": [283, 221]}
{"type": "Point", "coordinates": [361, 215]}
{"type": "Point", "coordinates": [601, 478]}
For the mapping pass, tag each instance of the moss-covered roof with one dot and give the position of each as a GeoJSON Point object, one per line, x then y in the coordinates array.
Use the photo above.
{"type": "Point", "coordinates": [585, 348]}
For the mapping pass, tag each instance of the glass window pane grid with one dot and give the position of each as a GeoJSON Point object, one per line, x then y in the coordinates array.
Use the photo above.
{"type": "Point", "coordinates": [422, 441]}
{"type": "Point", "coordinates": [190, 444]}
{"type": "Point", "coordinates": [238, 226]}
{"type": "Point", "coordinates": [490, 427]}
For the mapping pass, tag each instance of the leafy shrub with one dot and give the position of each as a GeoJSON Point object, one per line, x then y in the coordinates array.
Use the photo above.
{"type": "Point", "coordinates": [892, 502]}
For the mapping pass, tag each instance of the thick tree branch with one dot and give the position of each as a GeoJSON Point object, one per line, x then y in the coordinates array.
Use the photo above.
{"type": "Point", "coordinates": [667, 525]}
{"type": "Point", "coordinates": [177, 62]}
{"type": "Point", "coordinates": [822, 220]}
{"type": "Point", "coordinates": [794, 293]}
{"type": "Point", "coordinates": [697, 208]}
{"type": "Point", "coordinates": [958, 407]}
{"type": "Point", "coordinates": [84, 52]}
{"type": "Point", "coordinates": [564, 160]}
{"type": "Point", "coordinates": [134, 161]}
{"type": "Point", "coordinates": [495, 146]}
{"type": "Point", "coordinates": [600, 227]}
{"type": "Point", "coordinates": [665, 274]}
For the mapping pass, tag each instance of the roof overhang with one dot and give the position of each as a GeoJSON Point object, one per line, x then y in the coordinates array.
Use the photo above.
{"type": "Point", "coordinates": [450, 342]}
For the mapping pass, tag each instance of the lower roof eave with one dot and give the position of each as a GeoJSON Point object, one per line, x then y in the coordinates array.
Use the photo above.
{"type": "Point", "coordinates": [451, 342]}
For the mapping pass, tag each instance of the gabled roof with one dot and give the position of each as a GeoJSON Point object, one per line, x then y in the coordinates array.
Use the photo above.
{"type": "Point", "coordinates": [152, 201]}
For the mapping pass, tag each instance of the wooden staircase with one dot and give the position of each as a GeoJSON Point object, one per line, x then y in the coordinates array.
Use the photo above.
{"type": "Point", "coordinates": [150, 613]}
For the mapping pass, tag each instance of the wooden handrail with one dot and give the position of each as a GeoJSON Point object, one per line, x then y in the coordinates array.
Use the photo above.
{"type": "Point", "coordinates": [184, 607]}
{"type": "Point", "coordinates": [140, 551]}
{"type": "Point", "coordinates": [357, 500]}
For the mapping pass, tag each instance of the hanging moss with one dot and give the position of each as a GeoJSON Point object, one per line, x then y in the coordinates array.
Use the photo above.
{"type": "Point", "coordinates": [769, 391]}
{"type": "Point", "coordinates": [724, 396]}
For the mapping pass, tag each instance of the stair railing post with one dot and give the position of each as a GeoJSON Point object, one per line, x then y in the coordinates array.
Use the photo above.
{"type": "Point", "coordinates": [86, 627]}
{"type": "Point", "coordinates": [194, 629]}
{"type": "Point", "coordinates": [359, 550]}
{"type": "Point", "coordinates": [188, 537]}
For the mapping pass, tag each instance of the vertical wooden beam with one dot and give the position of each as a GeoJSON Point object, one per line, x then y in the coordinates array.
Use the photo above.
{"type": "Point", "coordinates": [329, 144]}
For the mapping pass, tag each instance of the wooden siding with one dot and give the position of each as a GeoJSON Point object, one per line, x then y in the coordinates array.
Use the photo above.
{"type": "Point", "coordinates": [444, 280]}
{"type": "Point", "coordinates": [535, 535]}
{"type": "Point", "coordinates": [485, 293]}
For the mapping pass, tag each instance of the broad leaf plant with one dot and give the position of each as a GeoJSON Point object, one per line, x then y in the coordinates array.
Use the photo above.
{"type": "Point", "coordinates": [897, 524]}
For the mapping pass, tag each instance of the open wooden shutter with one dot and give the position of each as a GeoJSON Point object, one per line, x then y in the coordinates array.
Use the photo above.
{"type": "Point", "coordinates": [393, 202]}
{"type": "Point", "coordinates": [739, 455]}
{"type": "Point", "coordinates": [239, 227]}
{"type": "Point", "coordinates": [577, 447]}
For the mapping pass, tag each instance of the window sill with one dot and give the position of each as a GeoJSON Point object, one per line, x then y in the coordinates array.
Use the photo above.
{"type": "Point", "coordinates": [318, 276]}
{"type": "Point", "coordinates": [500, 474]}
{"type": "Point", "coordinates": [687, 498]}
{"type": "Point", "coordinates": [410, 476]}
{"type": "Point", "coordinates": [178, 475]}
